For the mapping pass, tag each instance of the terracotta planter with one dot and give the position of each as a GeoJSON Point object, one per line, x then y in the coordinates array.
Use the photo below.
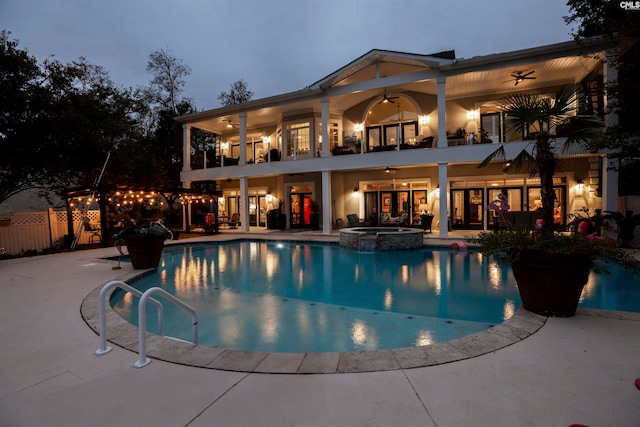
{"type": "Point", "coordinates": [551, 284]}
{"type": "Point", "coordinates": [145, 253]}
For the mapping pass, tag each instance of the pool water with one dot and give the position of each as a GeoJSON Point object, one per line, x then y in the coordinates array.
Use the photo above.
{"type": "Point", "coordinates": [305, 297]}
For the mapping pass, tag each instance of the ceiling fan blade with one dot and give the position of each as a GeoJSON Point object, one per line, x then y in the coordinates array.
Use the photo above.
{"type": "Point", "coordinates": [530, 72]}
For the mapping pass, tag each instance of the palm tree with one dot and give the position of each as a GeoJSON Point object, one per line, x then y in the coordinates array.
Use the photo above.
{"type": "Point", "coordinates": [537, 115]}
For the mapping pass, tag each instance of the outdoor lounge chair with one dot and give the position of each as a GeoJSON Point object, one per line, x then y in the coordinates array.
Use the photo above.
{"type": "Point", "coordinates": [354, 221]}
{"type": "Point", "coordinates": [234, 221]}
{"type": "Point", "coordinates": [425, 221]}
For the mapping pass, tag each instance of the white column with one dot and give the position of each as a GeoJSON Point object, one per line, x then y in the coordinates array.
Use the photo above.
{"type": "Point", "coordinates": [243, 138]}
{"type": "Point", "coordinates": [444, 216]}
{"type": "Point", "coordinates": [442, 113]}
{"type": "Point", "coordinates": [186, 147]}
{"type": "Point", "coordinates": [326, 202]}
{"type": "Point", "coordinates": [324, 102]}
{"type": "Point", "coordinates": [244, 204]}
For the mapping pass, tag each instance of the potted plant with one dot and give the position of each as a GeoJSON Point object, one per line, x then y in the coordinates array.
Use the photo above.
{"type": "Point", "coordinates": [549, 266]}
{"type": "Point", "coordinates": [144, 243]}
{"type": "Point", "coordinates": [551, 271]}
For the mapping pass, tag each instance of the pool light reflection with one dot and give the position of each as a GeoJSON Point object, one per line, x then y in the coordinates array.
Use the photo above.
{"type": "Point", "coordinates": [425, 338]}
{"type": "Point", "coordinates": [388, 300]}
{"type": "Point", "coordinates": [508, 309]}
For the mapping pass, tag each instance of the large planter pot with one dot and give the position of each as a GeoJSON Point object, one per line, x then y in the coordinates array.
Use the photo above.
{"type": "Point", "coordinates": [551, 284]}
{"type": "Point", "coordinates": [144, 253]}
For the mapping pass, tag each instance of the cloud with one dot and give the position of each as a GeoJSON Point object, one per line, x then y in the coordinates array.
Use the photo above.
{"type": "Point", "coordinates": [276, 46]}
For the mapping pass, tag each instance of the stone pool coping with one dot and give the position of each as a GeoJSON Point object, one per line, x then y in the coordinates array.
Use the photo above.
{"type": "Point", "coordinates": [124, 334]}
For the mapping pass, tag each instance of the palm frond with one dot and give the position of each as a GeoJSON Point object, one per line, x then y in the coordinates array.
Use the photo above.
{"type": "Point", "coordinates": [523, 110]}
{"type": "Point", "coordinates": [588, 128]}
{"type": "Point", "coordinates": [498, 155]}
{"type": "Point", "coordinates": [523, 161]}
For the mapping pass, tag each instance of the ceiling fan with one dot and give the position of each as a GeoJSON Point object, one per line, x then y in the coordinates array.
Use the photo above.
{"type": "Point", "coordinates": [386, 99]}
{"type": "Point", "coordinates": [518, 77]}
{"type": "Point", "coordinates": [230, 124]}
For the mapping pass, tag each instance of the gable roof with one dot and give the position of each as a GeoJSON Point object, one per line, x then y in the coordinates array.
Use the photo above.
{"type": "Point", "coordinates": [373, 60]}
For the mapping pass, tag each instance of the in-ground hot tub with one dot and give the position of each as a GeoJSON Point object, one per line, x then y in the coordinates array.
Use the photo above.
{"type": "Point", "coordinates": [381, 238]}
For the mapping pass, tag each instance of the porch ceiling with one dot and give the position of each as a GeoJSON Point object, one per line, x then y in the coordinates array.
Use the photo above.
{"type": "Point", "coordinates": [466, 81]}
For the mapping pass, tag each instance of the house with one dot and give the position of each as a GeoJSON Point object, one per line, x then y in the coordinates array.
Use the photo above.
{"type": "Point", "coordinates": [396, 134]}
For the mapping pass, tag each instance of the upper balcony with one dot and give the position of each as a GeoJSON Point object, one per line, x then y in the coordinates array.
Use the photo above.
{"type": "Point", "coordinates": [385, 107]}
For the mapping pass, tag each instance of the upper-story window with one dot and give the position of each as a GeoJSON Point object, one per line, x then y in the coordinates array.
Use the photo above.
{"type": "Point", "coordinates": [298, 139]}
{"type": "Point", "coordinates": [334, 140]}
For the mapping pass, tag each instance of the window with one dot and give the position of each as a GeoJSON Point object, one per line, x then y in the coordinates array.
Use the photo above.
{"type": "Point", "coordinates": [334, 129]}
{"type": "Point", "coordinates": [298, 142]}
{"type": "Point", "coordinates": [491, 128]}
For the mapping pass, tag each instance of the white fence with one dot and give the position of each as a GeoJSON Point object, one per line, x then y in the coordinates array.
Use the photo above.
{"type": "Point", "coordinates": [37, 231]}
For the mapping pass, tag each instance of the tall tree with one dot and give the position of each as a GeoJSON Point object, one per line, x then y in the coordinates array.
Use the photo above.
{"type": "Point", "coordinates": [610, 20]}
{"type": "Point", "coordinates": [58, 121]}
{"type": "Point", "coordinates": [238, 94]}
{"type": "Point", "coordinates": [169, 73]}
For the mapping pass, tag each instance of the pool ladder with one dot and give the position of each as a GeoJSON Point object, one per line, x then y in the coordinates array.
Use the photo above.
{"type": "Point", "coordinates": [143, 360]}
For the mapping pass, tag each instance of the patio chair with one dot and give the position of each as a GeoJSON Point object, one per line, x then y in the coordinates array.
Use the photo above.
{"type": "Point", "coordinates": [234, 221]}
{"type": "Point", "coordinates": [93, 230]}
{"type": "Point", "coordinates": [426, 220]}
{"type": "Point", "coordinates": [354, 221]}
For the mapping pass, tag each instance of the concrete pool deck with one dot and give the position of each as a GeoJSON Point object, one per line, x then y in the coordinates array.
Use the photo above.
{"type": "Point", "coordinates": [576, 370]}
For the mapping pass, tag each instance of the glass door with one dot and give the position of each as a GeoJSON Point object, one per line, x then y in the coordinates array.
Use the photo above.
{"type": "Point", "coordinates": [467, 209]}
{"type": "Point", "coordinates": [514, 200]}
{"type": "Point", "coordinates": [419, 205]}
{"type": "Point", "coordinates": [301, 207]}
{"type": "Point", "coordinates": [371, 207]}
{"type": "Point", "coordinates": [374, 137]}
{"type": "Point", "coordinates": [262, 211]}
{"type": "Point", "coordinates": [253, 209]}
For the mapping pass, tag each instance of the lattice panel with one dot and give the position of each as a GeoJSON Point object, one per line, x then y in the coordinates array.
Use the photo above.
{"type": "Point", "coordinates": [28, 218]}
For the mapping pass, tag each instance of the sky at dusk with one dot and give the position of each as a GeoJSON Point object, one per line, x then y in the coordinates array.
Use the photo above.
{"type": "Point", "coordinates": [276, 46]}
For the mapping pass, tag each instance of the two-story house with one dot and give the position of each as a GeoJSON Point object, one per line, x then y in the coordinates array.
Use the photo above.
{"type": "Point", "coordinates": [392, 135]}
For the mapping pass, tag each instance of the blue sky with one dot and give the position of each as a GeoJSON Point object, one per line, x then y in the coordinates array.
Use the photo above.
{"type": "Point", "coordinates": [276, 46]}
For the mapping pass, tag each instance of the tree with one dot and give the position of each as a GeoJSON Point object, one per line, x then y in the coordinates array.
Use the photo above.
{"type": "Point", "coordinates": [58, 121]}
{"type": "Point", "coordinates": [168, 81]}
{"type": "Point", "coordinates": [622, 28]}
{"type": "Point", "coordinates": [238, 94]}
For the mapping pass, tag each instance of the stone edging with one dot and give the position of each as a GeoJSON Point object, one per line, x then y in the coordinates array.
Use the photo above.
{"type": "Point", "coordinates": [124, 334]}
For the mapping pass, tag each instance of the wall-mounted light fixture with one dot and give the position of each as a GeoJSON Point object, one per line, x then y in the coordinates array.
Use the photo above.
{"type": "Point", "coordinates": [472, 115]}
{"type": "Point", "coordinates": [358, 127]}
{"type": "Point", "coordinates": [387, 169]}
{"type": "Point", "coordinates": [424, 120]}
{"type": "Point", "coordinates": [355, 189]}
{"type": "Point", "coordinates": [580, 184]}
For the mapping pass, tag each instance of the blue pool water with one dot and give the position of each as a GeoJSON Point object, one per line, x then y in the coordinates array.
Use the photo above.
{"type": "Point", "coordinates": [298, 297]}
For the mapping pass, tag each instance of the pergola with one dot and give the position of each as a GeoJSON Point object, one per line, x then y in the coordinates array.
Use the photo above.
{"type": "Point", "coordinates": [118, 200]}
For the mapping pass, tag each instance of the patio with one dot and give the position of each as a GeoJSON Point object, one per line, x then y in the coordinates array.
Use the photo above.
{"type": "Point", "coordinates": [576, 370]}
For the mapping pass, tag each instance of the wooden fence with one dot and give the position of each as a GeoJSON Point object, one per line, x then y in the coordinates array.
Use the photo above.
{"type": "Point", "coordinates": [36, 231]}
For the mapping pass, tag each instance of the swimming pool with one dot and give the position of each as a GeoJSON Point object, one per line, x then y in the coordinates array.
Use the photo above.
{"type": "Point", "coordinates": [305, 297]}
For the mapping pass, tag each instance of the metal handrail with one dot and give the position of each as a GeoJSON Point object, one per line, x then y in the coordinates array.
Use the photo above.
{"type": "Point", "coordinates": [143, 360]}
{"type": "Point", "coordinates": [102, 321]}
